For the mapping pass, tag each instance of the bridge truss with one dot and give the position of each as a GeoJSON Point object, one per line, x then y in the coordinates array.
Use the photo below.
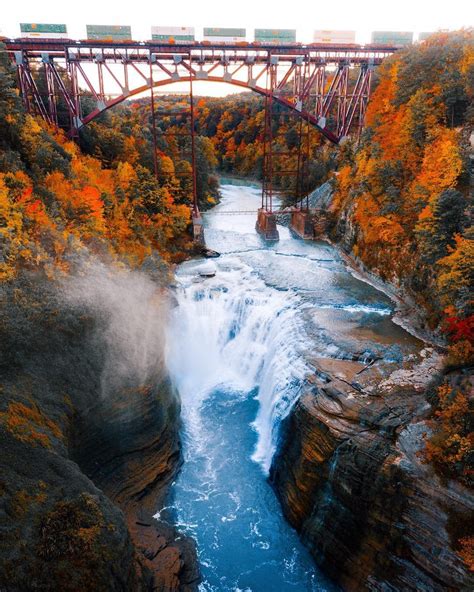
{"type": "Point", "coordinates": [326, 87]}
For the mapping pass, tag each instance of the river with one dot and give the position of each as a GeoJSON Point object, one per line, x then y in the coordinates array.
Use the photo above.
{"type": "Point", "coordinates": [239, 347]}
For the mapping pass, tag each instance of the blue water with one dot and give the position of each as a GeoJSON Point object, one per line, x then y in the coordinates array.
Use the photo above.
{"type": "Point", "coordinates": [238, 347]}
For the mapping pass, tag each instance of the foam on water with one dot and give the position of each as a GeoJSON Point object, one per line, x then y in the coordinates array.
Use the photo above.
{"type": "Point", "coordinates": [236, 349]}
{"type": "Point", "coordinates": [234, 330]}
{"type": "Point", "coordinates": [355, 308]}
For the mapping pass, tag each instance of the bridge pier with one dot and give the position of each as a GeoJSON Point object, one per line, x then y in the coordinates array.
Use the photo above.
{"type": "Point", "coordinates": [266, 225]}
{"type": "Point", "coordinates": [302, 224]}
{"type": "Point", "coordinates": [198, 229]}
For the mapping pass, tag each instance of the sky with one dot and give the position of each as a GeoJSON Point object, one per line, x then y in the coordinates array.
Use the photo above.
{"type": "Point", "coordinates": [305, 16]}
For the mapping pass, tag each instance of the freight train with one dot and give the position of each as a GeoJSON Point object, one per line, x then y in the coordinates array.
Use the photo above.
{"type": "Point", "coordinates": [217, 36]}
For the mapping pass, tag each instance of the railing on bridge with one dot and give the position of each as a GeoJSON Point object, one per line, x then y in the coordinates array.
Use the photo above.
{"type": "Point", "coordinates": [218, 212]}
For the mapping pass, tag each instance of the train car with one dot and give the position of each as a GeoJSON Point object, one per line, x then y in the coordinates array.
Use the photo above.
{"type": "Point", "coordinates": [173, 34]}
{"type": "Point", "coordinates": [334, 37]}
{"type": "Point", "coordinates": [275, 36]}
{"type": "Point", "coordinates": [224, 35]}
{"type": "Point", "coordinates": [109, 33]}
{"type": "Point", "coordinates": [43, 31]}
{"type": "Point", "coordinates": [392, 38]}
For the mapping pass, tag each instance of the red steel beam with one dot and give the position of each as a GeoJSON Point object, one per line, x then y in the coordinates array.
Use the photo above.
{"type": "Point", "coordinates": [131, 54]}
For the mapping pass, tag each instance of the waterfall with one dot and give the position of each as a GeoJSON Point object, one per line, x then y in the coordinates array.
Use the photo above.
{"type": "Point", "coordinates": [239, 346]}
{"type": "Point", "coordinates": [236, 332]}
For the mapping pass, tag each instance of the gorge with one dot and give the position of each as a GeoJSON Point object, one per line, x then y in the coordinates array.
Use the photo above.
{"type": "Point", "coordinates": [285, 323]}
{"type": "Point", "coordinates": [294, 415]}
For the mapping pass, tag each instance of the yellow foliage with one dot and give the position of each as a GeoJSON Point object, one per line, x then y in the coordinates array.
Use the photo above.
{"type": "Point", "coordinates": [124, 175]}
{"type": "Point", "coordinates": [456, 267]}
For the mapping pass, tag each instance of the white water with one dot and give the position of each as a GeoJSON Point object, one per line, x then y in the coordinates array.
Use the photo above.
{"type": "Point", "coordinates": [237, 346]}
{"type": "Point", "coordinates": [235, 331]}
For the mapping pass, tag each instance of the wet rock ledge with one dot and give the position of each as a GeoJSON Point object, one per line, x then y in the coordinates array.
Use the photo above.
{"type": "Point", "coordinates": [89, 447]}
{"type": "Point", "coordinates": [350, 481]}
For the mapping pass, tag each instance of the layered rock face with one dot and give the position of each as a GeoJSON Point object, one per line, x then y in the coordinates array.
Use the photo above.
{"type": "Point", "coordinates": [89, 438]}
{"type": "Point", "coordinates": [350, 479]}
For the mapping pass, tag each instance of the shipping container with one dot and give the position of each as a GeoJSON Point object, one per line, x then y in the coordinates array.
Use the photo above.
{"type": "Point", "coordinates": [394, 38]}
{"type": "Point", "coordinates": [278, 36]}
{"type": "Point", "coordinates": [334, 37]}
{"type": "Point", "coordinates": [43, 30]}
{"type": "Point", "coordinates": [109, 32]}
{"type": "Point", "coordinates": [172, 34]}
{"type": "Point", "coordinates": [227, 35]}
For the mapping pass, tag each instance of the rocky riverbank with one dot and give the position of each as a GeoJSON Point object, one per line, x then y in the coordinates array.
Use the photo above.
{"type": "Point", "coordinates": [89, 434]}
{"type": "Point", "coordinates": [348, 471]}
{"type": "Point", "coordinates": [350, 478]}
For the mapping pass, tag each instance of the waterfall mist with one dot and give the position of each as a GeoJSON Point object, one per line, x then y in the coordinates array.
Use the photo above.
{"type": "Point", "coordinates": [130, 312]}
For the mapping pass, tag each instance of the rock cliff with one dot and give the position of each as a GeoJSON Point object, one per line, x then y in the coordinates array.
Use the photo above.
{"type": "Point", "coordinates": [350, 480]}
{"type": "Point", "coordinates": [89, 437]}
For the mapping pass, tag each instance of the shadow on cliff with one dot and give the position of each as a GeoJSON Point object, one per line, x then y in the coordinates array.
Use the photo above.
{"type": "Point", "coordinates": [350, 478]}
{"type": "Point", "coordinates": [88, 424]}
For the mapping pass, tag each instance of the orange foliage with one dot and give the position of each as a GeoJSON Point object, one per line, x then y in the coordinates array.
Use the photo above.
{"type": "Point", "coordinates": [381, 102]}
{"type": "Point", "coordinates": [411, 155]}
{"type": "Point", "coordinates": [86, 202]}
{"type": "Point", "coordinates": [466, 551]}
{"type": "Point", "coordinates": [91, 198]}
{"type": "Point", "coordinates": [344, 182]}
{"type": "Point", "coordinates": [441, 166]}
{"type": "Point", "coordinates": [34, 209]}
{"type": "Point", "coordinates": [24, 422]}
{"type": "Point", "coordinates": [451, 441]}
{"type": "Point", "coordinates": [376, 228]}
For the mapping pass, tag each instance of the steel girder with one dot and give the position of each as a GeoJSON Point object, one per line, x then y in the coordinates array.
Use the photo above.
{"type": "Point", "coordinates": [326, 88]}
{"type": "Point", "coordinates": [317, 84]}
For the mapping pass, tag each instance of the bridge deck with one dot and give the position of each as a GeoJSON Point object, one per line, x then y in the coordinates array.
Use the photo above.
{"type": "Point", "coordinates": [113, 51]}
{"type": "Point", "coordinates": [251, 212]}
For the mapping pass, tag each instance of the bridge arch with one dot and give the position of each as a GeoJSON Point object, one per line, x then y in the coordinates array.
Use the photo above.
{"type": "Point", "coordinates": [311, 80]}
{"type": "Point", "coordinates": [314, 82]}
{"type": "Point", "coordinates": [306, 116]}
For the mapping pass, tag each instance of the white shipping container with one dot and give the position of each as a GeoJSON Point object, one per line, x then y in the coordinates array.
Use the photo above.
{"type": "Point", "coordinates": [221, 39]}
{"type": "Point", "coordinates": [172, 31]}
{"type": "Point", "coordinates": [224, 34]}
{"type": "Point", "coordinates": [44, 35]}
{"type": "Point", "coordinates": [331, 36]}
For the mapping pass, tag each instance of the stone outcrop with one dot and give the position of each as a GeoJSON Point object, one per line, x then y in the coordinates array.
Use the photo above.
{"type": "Point", "coordinates": [83, 467]}
{"type": "Point", "coordinates": [351, 481]}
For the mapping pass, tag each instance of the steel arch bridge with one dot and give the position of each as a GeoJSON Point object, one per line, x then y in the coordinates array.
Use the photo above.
{"type": "Point", "coordinates": [326, 86]}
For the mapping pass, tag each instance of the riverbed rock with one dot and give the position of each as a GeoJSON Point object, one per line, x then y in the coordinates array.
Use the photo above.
{"type": "Point", "coordinates": [350, 479]}
{"type": "Point", "coordinates": [82, 465]}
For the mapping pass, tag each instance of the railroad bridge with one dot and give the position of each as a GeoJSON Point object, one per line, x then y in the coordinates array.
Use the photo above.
{"type": "Point", "coordinates": [325, 86]}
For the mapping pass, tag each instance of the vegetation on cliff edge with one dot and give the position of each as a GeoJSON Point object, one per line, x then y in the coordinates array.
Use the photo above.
{"type": "Point", "coordinates": [404, 199]}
